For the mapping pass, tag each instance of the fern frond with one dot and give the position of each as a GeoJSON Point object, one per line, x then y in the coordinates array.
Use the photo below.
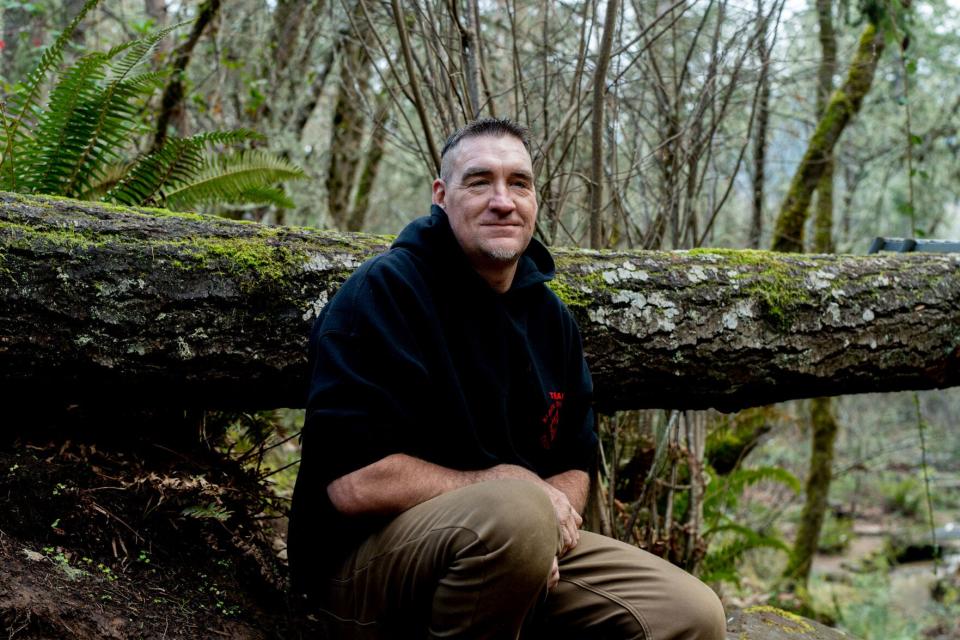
{"type": "Point", "coordinates": [228, 177]}
{"type": "Point", "coordinates": [136, 52]}
{"type": "Point", "coordinates": [8, 179]}
{"type": "Point", "coordinates": [267, 195]}
{"type": "Point", "coordinates": [115, 119]}
{"type": "Point", "coordinates": [28, 93]}
{"type": "Point", "coordinates": [722, 495]}
{"type": "Point", "coordinates": [176, 161]}
{"type": "Point", "coordinates": [721, 560]}
{"type": "Point", "coordinates": [64, 127]}
{"type": "Point", "coordinates": [226, 138]}
{"type": "Point", "coordinates": [110, 177]}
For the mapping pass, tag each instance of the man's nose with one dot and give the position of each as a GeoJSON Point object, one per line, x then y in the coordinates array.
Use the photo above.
{"type": "Point", "coordinates": [500, 199]}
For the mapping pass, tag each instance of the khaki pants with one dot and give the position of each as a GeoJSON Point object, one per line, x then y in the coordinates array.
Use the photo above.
{"type": "Point", "coordinates": [473, 563]}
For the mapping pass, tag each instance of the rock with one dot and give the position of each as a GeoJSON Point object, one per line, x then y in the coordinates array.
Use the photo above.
{"type": "Point", "coordinates": [769, 623]}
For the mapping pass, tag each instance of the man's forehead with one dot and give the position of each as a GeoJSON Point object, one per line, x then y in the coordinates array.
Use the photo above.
{"type": "Point", "coordinates": [488, 151]}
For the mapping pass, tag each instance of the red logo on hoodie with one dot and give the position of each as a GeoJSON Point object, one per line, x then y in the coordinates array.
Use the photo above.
{"type": "Point", "coordinates": [551, 419]}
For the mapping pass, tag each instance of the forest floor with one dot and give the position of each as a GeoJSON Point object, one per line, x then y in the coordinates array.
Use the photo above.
{"type": "Point", "coordinates": [112, 529]}
{"type": "Point", "coordinates": [138, 540]}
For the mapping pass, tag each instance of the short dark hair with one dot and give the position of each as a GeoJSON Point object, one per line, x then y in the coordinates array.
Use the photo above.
{"type": "Point", "coordinates": [497, 127]}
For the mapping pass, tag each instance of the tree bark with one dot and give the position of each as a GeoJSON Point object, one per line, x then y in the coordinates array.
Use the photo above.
{"type": "Point", "coordinates": [349, 126]}
{"type": "Point", "coordinates": [763, 123]}
{"type": "Point", "coordinates": [595, 186]}
{"type": "Point", "coordinates": [157, 308]}
{"type": "Point", "coordinates": [371, 164]}
{"type": "Point", "coordinates": [824, 435]}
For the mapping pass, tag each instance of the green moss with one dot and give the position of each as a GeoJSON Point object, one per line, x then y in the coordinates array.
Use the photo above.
{"type": "Point", "coordinates": [740, 256]}
{"type": "Point", "coordinates": [780, 293]}
{"type": "Point", "coordinates": [30, 237]}
{"type": "Point", "coordinates": [799, 625]}
{"type": "Point", "coordinates": [253, 261]}
{"type": "Point", "coordinates": [242, 255]}
{"type": "Point", "coordinates": [770, 280]}
{"type": "Point", "coordinates": [570, 295]}
{"type": "Point", "coordinates": [735, 435]}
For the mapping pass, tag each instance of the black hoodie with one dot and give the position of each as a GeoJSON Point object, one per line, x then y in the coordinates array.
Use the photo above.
{"type": "Point", "coordinates": [416, 354]}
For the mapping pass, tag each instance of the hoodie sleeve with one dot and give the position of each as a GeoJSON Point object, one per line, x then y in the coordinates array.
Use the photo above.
{"type": "Point", "coordinates": [367, 374]}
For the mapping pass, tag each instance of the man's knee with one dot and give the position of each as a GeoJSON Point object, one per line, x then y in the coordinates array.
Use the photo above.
{"type": "Point", "coordinates": [704, 618]}
{"type": "Point", "coordinates": [516, 521]}
{"type": "Point", "coordinates": [509, 506]}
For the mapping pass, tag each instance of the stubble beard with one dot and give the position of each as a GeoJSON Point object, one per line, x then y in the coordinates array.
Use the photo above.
{"type": "Point", "coordinates": [501, 255]}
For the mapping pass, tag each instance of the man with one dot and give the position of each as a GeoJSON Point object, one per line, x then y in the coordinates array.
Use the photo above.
{"type": "Point", "coordinates": [449, 437]}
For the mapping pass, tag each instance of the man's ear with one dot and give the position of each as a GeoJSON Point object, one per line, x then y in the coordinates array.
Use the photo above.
{"type": "Point", "coordinates": [439, 192]}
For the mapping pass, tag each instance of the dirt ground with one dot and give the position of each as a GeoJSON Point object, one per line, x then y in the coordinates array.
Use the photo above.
{"type": "Point", "coordinates": [109, 535]}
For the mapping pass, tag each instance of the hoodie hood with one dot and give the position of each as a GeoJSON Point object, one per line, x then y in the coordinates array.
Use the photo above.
{"type": "Point", "coordinates": [431, 238]}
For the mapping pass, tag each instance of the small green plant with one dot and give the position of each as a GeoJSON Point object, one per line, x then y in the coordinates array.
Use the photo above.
{"type": "Point", "coordinates": [107, 572]}
{"type": "Point", "coordinates": [62, 560]}
{"type": "Point", "coordinates": [211, 511]}
{"type": "Point", "coordinates": [903, 495]}
{"type": "Point", "coordinates": [729, 540]}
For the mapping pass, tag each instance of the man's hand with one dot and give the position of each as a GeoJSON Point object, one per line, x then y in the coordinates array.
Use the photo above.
{"type": "Point", "coordinates": [554, 578]}
{"type": "Point", "coordinates": [567, 517]}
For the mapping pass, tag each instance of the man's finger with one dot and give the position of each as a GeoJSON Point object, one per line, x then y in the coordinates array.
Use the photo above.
{"type": "Point", "coordinates": [567, 539]}
{"type": "Point", "coordinates": [554, 576]}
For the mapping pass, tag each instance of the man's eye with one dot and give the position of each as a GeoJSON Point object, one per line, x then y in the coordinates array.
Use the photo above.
{"type": "Point", "coordinates": [520, 184]}
{"type": "Point", "coordinates": [477, 183]}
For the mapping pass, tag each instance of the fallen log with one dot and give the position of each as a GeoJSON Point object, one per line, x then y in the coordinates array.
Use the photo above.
{"type": "Point", "coordinates": [154, 308]}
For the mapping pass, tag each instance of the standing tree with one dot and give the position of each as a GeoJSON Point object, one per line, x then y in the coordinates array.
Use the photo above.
{"type": "Point", "coordinates": [839, 110]}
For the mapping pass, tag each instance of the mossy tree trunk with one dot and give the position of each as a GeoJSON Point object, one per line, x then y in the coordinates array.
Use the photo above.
{"type": "Point", "coordinates": [734, 436]}
{"type": "Point", "coordinates": [371, 164]}
{"type": "Point", "coordinates": [823, 220]}
{"type": "Point", "coordinates": [823, 423]}
{"type": "Point", "coordinates": [823, 426]}
{"type": "Point", "coordinates": [840, 109]}
{"type": "Point", "coordinates": [157, 308]}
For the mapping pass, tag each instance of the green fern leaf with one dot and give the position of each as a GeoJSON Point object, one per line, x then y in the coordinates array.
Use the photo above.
{"type": "Point", "coordinates": [176, 160]}
{"type": "Point", "coordinates": [116, 118]}
{"type": "Point", "coordinates": [136, 52]}
{"type": "Point", "coordinates": [267, 195]}
{"type": "Point", "coordinates": [226, 138]}
{"type": "Point", "coordinates": [25, 100]}
{"type": "Point", "coordinates": [63, 128]}
{"type": "Point", "coordinates": [111, 176]}
{"type": "Point", "coordinates": [227, 178]}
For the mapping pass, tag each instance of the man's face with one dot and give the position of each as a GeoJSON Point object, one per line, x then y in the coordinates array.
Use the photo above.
{"type": "Point", "coordinates": [490, 199]}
